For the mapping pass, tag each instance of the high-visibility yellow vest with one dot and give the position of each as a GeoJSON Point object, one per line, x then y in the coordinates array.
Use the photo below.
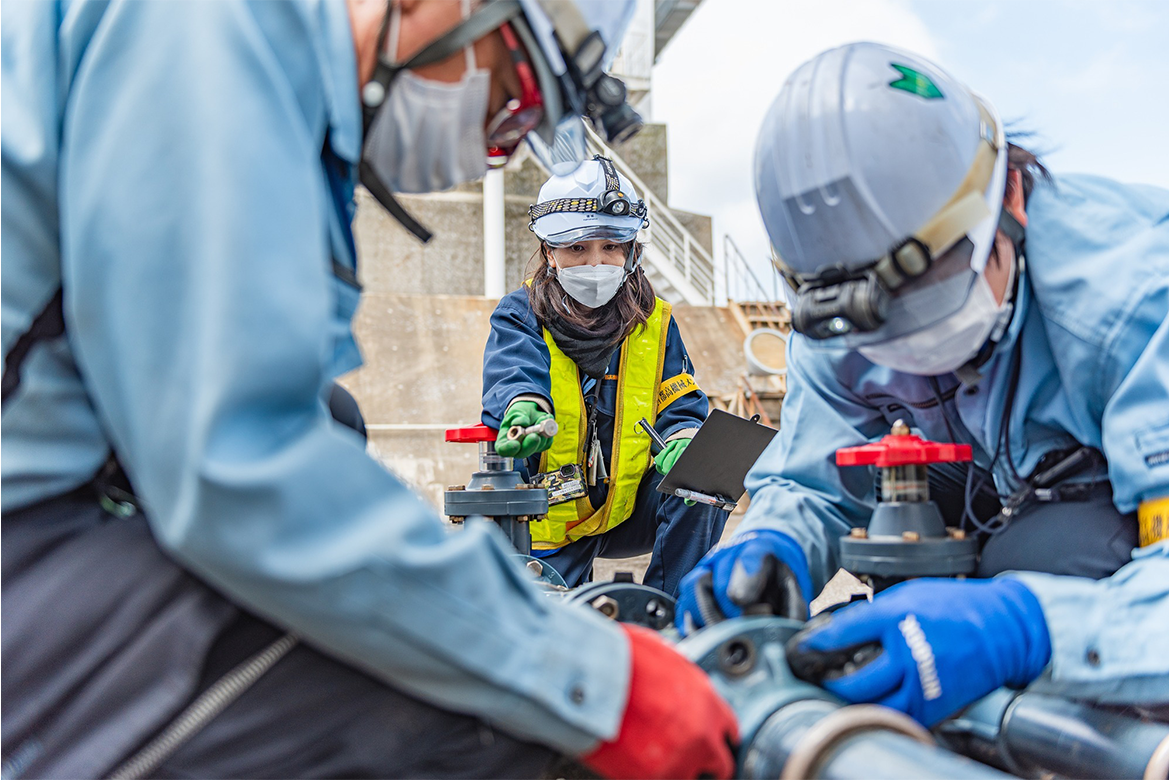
{"type": "Point", "coordinates": [639, 376]}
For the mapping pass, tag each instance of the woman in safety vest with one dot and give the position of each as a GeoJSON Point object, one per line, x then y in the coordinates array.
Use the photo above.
{"type": "Point", "coordinates": [586, 341]}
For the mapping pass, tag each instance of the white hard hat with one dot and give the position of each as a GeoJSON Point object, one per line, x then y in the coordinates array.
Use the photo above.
{"type": "Point", "coordinates": [592, 202]}
{"type": "Point", "coordinates": [873, 164]}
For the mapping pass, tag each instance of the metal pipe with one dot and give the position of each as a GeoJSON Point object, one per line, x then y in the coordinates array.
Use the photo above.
{"type": "Point", "coordinates": [493, 234]}
{"type": "Point", "coordinates": [793, 729]}
{"type": "Point", "coordinates": [819, 739]}
{"type": "Point", "coordinates": [1046, 734]}
{"type": "Point", "coordinates": [1033, 734]}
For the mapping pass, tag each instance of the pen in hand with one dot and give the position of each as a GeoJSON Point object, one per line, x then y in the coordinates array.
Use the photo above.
{"type": "Point", "coordinates": [655, 439]}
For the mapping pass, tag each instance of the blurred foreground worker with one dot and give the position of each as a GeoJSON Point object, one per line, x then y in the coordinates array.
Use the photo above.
{"type": "Point", "coordinates": [938, 275]}
{"type": "Point", "coordinates": [585, 339]}
{"type": "Point", "coordinates": [179, 278]}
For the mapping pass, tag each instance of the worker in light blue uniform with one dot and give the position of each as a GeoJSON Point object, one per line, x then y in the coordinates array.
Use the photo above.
{"type": "Point", "coordinates": [586, 341]}
{"type": "Point", "coordinates": [204, 575]}
{"type": "Point", "coordinates": [938, 276]}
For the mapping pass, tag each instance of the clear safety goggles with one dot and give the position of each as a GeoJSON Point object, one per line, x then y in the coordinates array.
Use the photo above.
{"type": "Point", "coordinates": [566, 151]}
{"type": "Point", "coordinates": [521, 115]}
{"type": "Point", "coordinates": [921, 303]}
{"type": "Point", "coordinates": [618, 235]}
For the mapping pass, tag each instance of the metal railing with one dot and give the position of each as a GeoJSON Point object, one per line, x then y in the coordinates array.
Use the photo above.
{"type": "Point", "coordinates": [672, 251]}
{"type": "Point", "coordinates": [740, 282]}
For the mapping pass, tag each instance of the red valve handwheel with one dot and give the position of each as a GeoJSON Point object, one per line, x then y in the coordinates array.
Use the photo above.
{"type": "Point", "coordinates": [902, 450]}
{"type": "Point", "coordinates": [477, 433]}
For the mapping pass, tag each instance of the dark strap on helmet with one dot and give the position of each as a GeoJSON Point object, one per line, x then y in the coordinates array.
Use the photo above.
{"type": "Point", "coordinates": [612, 183]}
{"type": "Point", "coordinates": [1012, 228]}
{"type": "Point", "coordinates": [49, 324]}
{"type": "Point", "coordinates": [572, 205]}
{"type": "Point", "coordinates": [382, 194]}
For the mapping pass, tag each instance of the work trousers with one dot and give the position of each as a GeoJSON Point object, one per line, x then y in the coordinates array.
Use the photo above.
{"type": "Point", "coordinates": [106, 640]}
{"type": "Point", "coordinates": [1083, 538]}
{"type": "Point", "coordinates": [676, 536]}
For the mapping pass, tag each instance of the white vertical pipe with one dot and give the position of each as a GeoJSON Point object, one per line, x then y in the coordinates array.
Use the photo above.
{"type": "Point", "coordinates": [493, 233]}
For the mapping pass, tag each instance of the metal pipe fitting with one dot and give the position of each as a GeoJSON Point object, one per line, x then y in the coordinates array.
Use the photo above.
{"type": "Point", "coordinates": [791, 728]}
{"type": "Point", "coordinates": [546, 428]}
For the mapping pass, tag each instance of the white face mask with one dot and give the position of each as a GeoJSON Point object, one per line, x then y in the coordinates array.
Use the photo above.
{"type": "Point", "coordinates": [949, 344]}
{"type": "Point", "coordinates": [429, 135]}
{"type": "Point", "coordinates": [592, 285]}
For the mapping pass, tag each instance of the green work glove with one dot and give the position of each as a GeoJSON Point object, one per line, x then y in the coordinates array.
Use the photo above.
{"type": "Point", "coordinates": [524, 414]}
{"type": "Point", "coordinates": [665, 460]}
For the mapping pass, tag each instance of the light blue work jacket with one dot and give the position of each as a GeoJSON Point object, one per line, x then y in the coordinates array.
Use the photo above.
{"type": "Point", "coordinates": [1111, 637]}
{"type": "Point", "coordinates": [1090, 322]}
{"type": "Point", "coordinates": [169, 165]}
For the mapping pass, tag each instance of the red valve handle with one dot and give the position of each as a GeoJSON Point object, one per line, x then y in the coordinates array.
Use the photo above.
{"type": "Point", "coordinates": [474, 433]}
{"type": "Point", "coordinates": [902, 450]}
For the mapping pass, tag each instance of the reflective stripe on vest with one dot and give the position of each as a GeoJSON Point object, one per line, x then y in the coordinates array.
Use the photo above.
{"type": "Point", "coordinates": [639, 374]}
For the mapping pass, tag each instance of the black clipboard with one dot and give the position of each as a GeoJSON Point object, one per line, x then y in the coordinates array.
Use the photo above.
{"type": "Point", "coordinates": [712, 468]}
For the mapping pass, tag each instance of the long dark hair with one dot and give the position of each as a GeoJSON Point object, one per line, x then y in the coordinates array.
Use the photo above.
{"type": "Point", "coordinates": [627, 310]}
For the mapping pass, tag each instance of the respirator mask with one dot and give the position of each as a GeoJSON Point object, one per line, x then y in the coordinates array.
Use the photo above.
{"type": "Point", "coordinates": [429, 135]}
{"type": "Point", "coordinates": [592, 286]}
{"type": "Point", "coordinates": [951, 343]}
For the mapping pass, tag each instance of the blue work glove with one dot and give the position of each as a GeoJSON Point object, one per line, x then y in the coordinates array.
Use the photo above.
{"type": "Point", "coordinates": [664, 461]}
{"type": "Point", "coordinates": [927, 647]}
{"type": "Point", "coordinates": [758, 572]}
{"type": "Point", "coordinates": [523, 414]}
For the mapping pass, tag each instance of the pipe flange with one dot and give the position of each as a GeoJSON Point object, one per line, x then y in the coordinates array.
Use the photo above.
{"type": "Point", "coordinates": [628, 602]}
{"type": "Point", "coordinates": [841, 724]}
{"type": "Point", "coordinates": [1159, 766]}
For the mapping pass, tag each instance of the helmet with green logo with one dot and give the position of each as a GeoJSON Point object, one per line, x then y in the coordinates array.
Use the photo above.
{"type": "Point", "coordinates": [880, 179]}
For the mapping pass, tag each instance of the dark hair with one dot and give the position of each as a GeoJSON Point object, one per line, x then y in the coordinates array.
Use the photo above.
{"type": "Point", "coordinates": [629, 309]}
{"type": "Point", "coordinates": [1028, 164]}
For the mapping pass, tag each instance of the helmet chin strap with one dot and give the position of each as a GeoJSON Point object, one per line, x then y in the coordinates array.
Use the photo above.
{"type": "Point", "coordinates": [969, 373]}
{"type": "Point", "coordinates": [631, 260]}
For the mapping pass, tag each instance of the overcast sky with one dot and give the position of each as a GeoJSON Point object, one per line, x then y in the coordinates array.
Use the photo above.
{"type": "Point", "coordinates": [1089, 77]}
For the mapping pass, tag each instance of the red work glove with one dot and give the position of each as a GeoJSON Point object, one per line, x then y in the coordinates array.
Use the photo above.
{"type": "Point", "coordinates": [675, 724]}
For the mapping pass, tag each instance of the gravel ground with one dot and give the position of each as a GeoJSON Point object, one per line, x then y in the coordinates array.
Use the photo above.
{"type": "Point", "coordinates": [838, 590]}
